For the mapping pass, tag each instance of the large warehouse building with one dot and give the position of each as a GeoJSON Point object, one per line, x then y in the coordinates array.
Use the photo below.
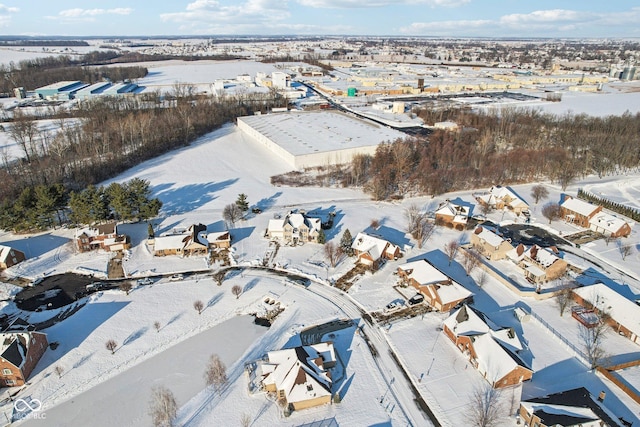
{"type": "Point", "coordinates": [317, 138]}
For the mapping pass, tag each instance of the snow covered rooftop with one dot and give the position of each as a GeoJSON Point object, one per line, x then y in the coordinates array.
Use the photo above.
{"type": "Point", "coordinates": [488, 236]}
{"type": "Point", "coordinates": [622, 310]}
{"type": "Point", "coordinates": [607, 222]}
{"type": "Point", "coordinates": [374, 246]}
{"type": "Point", "coordinates": [579, 206]}
{"type": "Point", "coordinates": [431, 281]}
{"type": "Point", "coordinates": [319, 131]}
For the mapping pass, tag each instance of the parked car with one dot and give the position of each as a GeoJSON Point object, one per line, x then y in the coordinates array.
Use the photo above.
{"type": "Point", "coordinates": [145, 281]}
{"type": "Point", "coordinates": [393, 306]}
{"type": "Point", "coordinates": [176, 277]}
{"type": "Point", "coordinates": [416, 299]}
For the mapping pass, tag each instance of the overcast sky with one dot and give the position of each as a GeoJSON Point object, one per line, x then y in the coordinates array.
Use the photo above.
{"type": "Point", "coordinates": [456, 18]}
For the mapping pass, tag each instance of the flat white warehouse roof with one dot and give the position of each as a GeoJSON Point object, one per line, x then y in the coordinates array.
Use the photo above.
{"type": "Point", "coordinates": [309, 132]}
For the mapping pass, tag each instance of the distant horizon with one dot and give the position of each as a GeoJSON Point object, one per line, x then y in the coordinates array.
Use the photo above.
{"type": "Point", "coordinates": [564, 19]}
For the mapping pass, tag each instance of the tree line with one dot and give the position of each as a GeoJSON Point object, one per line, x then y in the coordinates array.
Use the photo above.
{"type": "Point", "coordinates": [515, 146]}
{"type": "Point", "coordinates": [627, 211]}
{"type": "Point", "coordinates": [110, 135]}
{"type": "Point", "coordinates": [38, 72]}
{"type": "Point", "coordinates": [46, 206]}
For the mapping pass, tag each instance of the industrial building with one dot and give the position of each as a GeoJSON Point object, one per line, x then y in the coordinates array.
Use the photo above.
{"type": "Point", "coordinates": [93, 90]}
{"type": "Point", "coordinates": [61, 91]}
{"type": "Point", "coordinates": [316, 138]}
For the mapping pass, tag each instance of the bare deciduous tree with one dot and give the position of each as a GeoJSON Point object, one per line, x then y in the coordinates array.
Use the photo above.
{"type": "Point", "coordinates": [157, 326]}
{"type": "Point", "coordinates": [125, 287]}
{"type": "Point", "coordinates": [236, 290]}
{"type": "Point", "coordinates": [111, 345]}
{"type": "Point", "coordinates": [470, 261]}
{"type": "Point", "coordinates": [375, 224]}
{"type": "Point", "coordinates": [539, 192]}
{"type": "Point", "coordinates": [231, 214]}
{"type": "Point", "coordinates": [332, 253]}
{"type": "Point", "coordinates": [625, 250]}
{"type": "Point", "coordinates": [551, 211]}
{"type": "Point", "coordinates": [592, 339]}
{"type": "Point", "coordinates": [485, 409]}
{"type": "Point", "coordinates": [215, 373]}
{"type": "Point", "coordinates": [451, 250]}
{"type": "Point", "coordinates": [198, 306]}
{"type": "Point", "coordinates": [563, 297]}
{"type": "Point", "coordinates": [418, 225]}
{"type": "Point", "coordinates": [163, 407]}
{"type": "Point", "coordinates": [59, 370]}
{"type": "Point", "coordinates": [482, 278]}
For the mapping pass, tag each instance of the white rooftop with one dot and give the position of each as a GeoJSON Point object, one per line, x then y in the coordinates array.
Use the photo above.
{"type": "Point", "coordinates": [489, 236]}
{"type": "Point", "coordinates": [622, 310]}
{"type": "Point", "coordinates": [607, 222]}
{"type": "Point", "coordinates": [310, 132]}
{"type": "Point", "coordinates": [579, 206]}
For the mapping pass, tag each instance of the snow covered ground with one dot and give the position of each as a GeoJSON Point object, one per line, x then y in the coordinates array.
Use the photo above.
{"type": "Point", "coordinates": [195, 183]}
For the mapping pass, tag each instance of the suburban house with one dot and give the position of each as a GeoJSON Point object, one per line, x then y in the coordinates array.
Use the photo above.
{"type": "Point", "coordinates": [609, 225]}
{"type": "Point", "coordinates": [190, 242]}
{"type": "Point", "coordinates": [499, 197]}
{"type": "Point", "coordinates": [373, 251]}
{"type": "Point", "coordinates": [104, 236]}
{"type": "Point", "coordinates": [439, 291]}
{"type": "Point", "coordinates": [294, 228]}
{"type": "Point", "coordinates": [539, 264]}
{"type": "Point", "coordinates": [575, 407]}
{"type": "Point", "coordinates": [622, 314]}
{"type": "Point", "coordinates": [300, 376]}
{"type": "Point", "coordinates": [577, 211]}
{"type": "Point", "coordinates": [19, 355]}
{"type": "Point", "coordinates": [219, 240]}
{"type": "Point", "coordinates": [10, 256]}
{"type": "Point", "coordinates": [452, 215]}
{"type": "Point", "coordinates": [489, 244]}
{"type": "Point", "coordinates": [492, 350]}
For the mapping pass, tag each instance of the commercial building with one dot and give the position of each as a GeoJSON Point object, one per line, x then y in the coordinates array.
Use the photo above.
{"type": "Point", "coordinates": [63, 91]}
{"type": "Point", "coordinates": [316, 138]}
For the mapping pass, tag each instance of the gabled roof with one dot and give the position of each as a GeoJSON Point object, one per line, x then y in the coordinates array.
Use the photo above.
{"type": "Point", "coordinates": [495, 347]}
{"type": "Point", "coordinates": [107, 228]}
{"type": "Point", "coordinates": [300, 372]}
{"type": "Point", "coordinates": [608, 222]}
{"type": "Point", "coordinates": [542, 256]}
{"type": "Point", "coordinates": [565, 407]}
{"type": "Point", "coordinates": [5, 251]}
{"type": "Point", "coordinates": [459, 213]}
{"type": "Point", "coordinates": [374, 246]}
{"type": "Point", "coordinates": [622, 310]}
{"type": "Point", "coordinates": [432, 281]}
{"type": "Point", "coordinates": [507, 195]}
{"type": "Point", "coordinates": [581, 207]}
{"type": "Point", "coordinates": [14, 347]}
{"type": "Point", "coordinates": [296, 220]}
{"type": "Point", "coordinates": [488, 236]}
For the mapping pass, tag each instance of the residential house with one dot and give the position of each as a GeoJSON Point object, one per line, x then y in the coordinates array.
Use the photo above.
{"type": "Point", "coordinates": [300, 377]}
{"type": "Point", "coordinates": [499, 197]}
{"type": "Point", "coordinates": [452, 215]}
{"type": "Point", "coordinates": [190, 242]}
{"type": "Point", "coordinates": [104, 236]}
{"type": "Point", "coordinates": [609, 225]}
{"type": "Point", "coordinates": [19, 355]}
{"type": "Point", "coordinates": [439, 291]}
{"type": "Point", "coordinates": [10, 256]}
{"type": "Point", "coordinates": [538, 264]}
{"type": "Point", "coordinates": [575, 407]}
{"type": "Point", "coordinates": [219, 240]}
{"type": "Point", "coordinates": [622, 314]}
{"type": "Point", "coordinates": [372, 251]}
{"type": "Point", "coordinates": [489, 244]}
{"type": "Point", "coordinates": [492, 350]}
{"type": "Point", "coordinates": [294, 228]}
{"type": "Point", "coordinates": [577, 211]}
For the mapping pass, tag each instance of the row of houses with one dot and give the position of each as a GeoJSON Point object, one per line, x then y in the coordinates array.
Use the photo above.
{"type": "Point", "coordinates": [193, 241]}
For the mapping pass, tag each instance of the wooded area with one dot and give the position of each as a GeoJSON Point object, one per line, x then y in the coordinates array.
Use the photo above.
{"type": "Point", "coordinates": [515, 146]}
{"type": "Point", "coordinates": [108, 136]}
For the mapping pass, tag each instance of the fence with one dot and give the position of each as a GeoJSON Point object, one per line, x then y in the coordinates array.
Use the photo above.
{"type": "Point", "coordinates": [577, 352]}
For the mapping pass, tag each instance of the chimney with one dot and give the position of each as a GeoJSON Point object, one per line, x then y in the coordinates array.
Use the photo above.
{"type": "Point", "coordinates": [602, 395]}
